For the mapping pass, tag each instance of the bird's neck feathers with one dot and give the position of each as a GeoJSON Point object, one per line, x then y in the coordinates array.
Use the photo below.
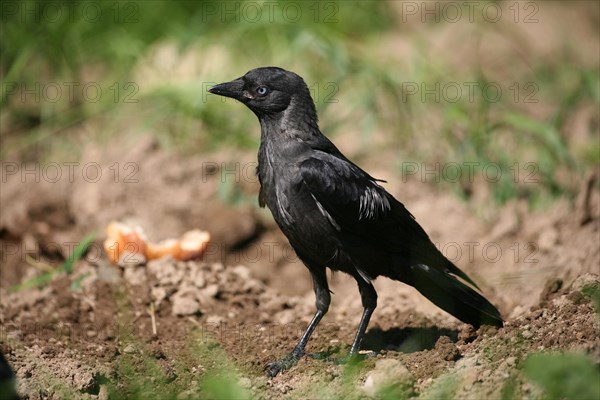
{"type": "Point", "coordinates": [298, 121]}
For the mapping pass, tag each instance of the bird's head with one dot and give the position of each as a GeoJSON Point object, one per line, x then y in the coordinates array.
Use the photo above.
{"type": "Point", "coordinates": [267, 90]}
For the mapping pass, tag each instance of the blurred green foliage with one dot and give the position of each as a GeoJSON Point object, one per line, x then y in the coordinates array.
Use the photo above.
{"type": "Point", "coordinates": [153, 61]}
{"type": "Point", "coordinates": [66, 267]}
{"type": "Point", "coordinates": [444, 387]}
{"type": "Point", "coordinates": [564, 376]}
{"type": "Point", "coordinates": [222, 386]}
{"type": "Point", "coordinates": [592, 291]}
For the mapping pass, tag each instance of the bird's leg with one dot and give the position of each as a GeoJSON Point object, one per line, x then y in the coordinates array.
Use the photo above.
{"type": "Point", "coordinates": [368, 296]}
{"type": "Point", "coordinates": [369, 302]}
{"type": "Point", "coordinates": [323, 299]}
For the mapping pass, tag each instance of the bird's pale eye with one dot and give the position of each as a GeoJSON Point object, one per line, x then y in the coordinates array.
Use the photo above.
{"type": "Point", "coordinates": [262, 90]}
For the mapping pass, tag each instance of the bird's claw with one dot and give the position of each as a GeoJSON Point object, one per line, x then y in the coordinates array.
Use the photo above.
{"type": "Point", "coordinates": [287, 362]}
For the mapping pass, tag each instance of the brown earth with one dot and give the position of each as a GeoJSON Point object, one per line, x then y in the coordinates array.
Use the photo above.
{"type": "Point", "coordinates": [90, 333]}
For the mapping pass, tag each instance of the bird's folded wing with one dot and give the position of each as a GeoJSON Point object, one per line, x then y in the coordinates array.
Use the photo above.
{"type": "Point", "coordinates": [356, 202]}
{"type": "Point", "coordinates": [356, 205]}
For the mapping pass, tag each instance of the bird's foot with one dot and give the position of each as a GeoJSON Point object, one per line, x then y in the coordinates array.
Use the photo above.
{"type": "Point", "coordinates": [287, 362]}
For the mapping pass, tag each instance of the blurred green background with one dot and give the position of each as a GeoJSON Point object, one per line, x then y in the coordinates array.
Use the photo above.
{"type": "Point", "coordinates": [511, 83]}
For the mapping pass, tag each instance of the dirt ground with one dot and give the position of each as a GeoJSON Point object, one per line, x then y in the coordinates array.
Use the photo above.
{"type": "Point", "coordinates": [89, 334]}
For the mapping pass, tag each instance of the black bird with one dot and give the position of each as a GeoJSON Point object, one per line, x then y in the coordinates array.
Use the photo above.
{"type": "Point", "coordinates": [336, 215]}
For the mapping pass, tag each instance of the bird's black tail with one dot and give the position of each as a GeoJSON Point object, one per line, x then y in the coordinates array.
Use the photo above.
{"type": "Point", "coordinates": [453, 296]}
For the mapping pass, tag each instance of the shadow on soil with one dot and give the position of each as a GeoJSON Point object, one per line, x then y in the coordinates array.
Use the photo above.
{"type": "Point", "coordinates": [405, 340]}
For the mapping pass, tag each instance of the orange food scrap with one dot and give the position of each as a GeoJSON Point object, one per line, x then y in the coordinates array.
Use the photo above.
{"type": "Point", "coordinates": [125, 243]}
{"type": "Point", "coordinates": [129, 245]}
{"type": "Point", "coordinates": [193, 244]}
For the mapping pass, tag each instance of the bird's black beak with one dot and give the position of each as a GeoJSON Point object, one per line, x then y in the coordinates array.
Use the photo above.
{"type": "Point", "coordinates": [233, 89]}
